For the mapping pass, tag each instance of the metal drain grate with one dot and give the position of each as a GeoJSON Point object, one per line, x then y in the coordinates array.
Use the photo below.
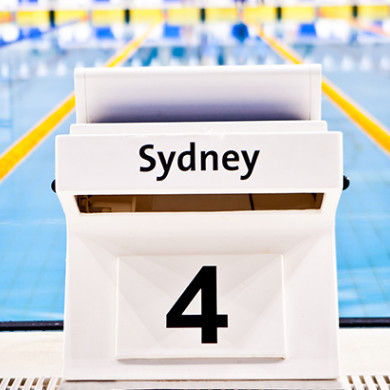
{"type": "Point", "coordinates": [30, 383]}
{"type": "Point", "coordinates": [350, 382]}
{"type": "Point", "coordinates": [366, 382]}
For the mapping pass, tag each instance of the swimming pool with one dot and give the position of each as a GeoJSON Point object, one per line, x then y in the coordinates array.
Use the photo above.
{"type": "Point", "coordinates": [37, 73]}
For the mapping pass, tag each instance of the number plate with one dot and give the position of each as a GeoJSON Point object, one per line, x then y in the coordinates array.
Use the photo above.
{"type": "Point", "coordinates": [249, 300]}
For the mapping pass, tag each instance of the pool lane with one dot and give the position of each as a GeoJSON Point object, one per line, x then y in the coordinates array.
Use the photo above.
{"type": "Point", "coordinates": [25, 144]}
{"type": "Point", "coordinates": [362, 71]}
{"type": "Point", "coordinates": [361, 68]}
{"type": "Point", "coordinates": [32, 239]}
{"type": "Point", "coordinates": [362, 223]}
{"type": "Point", "coordinates": [212, 43]}
{"type": "Point", "coordinates": [32, 225]}
{"type": "Point", "coordinates": [37, 74]}
{"type": "Point", "coordinates": [363, 217]}
{"type": "Point", "coordinates": [359, 64]}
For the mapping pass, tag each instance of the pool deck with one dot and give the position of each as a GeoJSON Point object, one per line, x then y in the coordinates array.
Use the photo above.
{"type": "Point", "coordinates": [39, 354]}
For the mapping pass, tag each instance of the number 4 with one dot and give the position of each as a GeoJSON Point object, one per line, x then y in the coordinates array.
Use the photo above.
{"type": "Point", "coordinates": [209, 321]}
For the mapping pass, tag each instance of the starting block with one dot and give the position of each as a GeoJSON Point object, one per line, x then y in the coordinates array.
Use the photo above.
{"type": "Point", "coordinates": [200, 206]}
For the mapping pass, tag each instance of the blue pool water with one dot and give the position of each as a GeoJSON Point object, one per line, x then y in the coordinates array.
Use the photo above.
{"type": "Point", "coordinates": [37, 74]}
{"type": "Point", "coordinates": [362, 70]}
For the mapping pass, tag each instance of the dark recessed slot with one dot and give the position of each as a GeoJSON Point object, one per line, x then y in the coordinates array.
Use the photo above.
{"type": "Point", "coordinates": [196, 202]}
{"type": "Point", "coordinates": [300, 201]}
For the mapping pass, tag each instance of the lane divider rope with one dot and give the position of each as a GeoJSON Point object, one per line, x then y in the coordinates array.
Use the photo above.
{"type": "Point", "coordinates": [370, 28]}
{"type": "Point", "coordinates": [21, 148]}
{"type": "Point", "coordinates": [370, 125]}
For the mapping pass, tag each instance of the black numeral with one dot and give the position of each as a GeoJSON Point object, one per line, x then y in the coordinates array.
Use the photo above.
{"type": "Point", "coordinates": [209, 321]}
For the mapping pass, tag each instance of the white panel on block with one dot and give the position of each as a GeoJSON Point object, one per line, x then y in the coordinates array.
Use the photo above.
{"type": "Point", "coordinates": [241, 314]}
{"type": "Point", "coordinates": [202, 93]}
{"type": "Point", "coordinates": [242, 162]}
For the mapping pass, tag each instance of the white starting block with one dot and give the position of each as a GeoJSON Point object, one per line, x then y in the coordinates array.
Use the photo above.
{"type": "Point", "coordinates": [202, 249]}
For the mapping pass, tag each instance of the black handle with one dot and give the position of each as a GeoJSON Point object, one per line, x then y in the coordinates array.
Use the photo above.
{"type": "Point", "coordinates": [346, 182]}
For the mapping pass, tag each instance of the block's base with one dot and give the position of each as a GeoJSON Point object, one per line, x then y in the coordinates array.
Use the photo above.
{"type": "Point", "coordinates": [201, 384]}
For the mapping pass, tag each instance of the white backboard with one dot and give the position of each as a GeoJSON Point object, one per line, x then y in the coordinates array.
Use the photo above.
{"type": "Point", "coordinates": [193, 94]}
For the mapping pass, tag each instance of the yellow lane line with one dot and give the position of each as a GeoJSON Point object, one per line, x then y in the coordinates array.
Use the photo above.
{"type": "Point", "coordinates": [375, 129]}
{"type": "Point", "coordinates": [119, 58]}
{"type": "Point", "coordinates": [370, 125]}
{"type": "Point", "coordinates": [24, 145]}
{"type": "Point", "coordinates": [17, 152]}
